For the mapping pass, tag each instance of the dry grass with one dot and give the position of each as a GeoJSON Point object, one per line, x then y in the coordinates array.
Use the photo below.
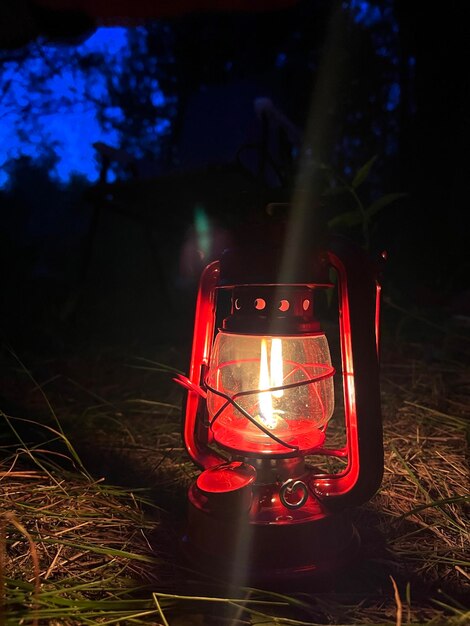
{"type": "Point", "coordinates": [73, 549]}
{"type": "Point", "coordinates": [76, 550]}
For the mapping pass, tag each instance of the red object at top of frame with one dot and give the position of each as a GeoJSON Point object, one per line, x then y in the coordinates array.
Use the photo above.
{"type": "Point", "coordinates": [106, 10]}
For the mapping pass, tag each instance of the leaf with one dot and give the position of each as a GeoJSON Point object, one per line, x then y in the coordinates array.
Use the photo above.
{"type": "Point", "coordinates": [383, 202]}
{"type": "Point", "coordinates": [348, 218]}
{"type": "Point", "coordinates": [363, 172]}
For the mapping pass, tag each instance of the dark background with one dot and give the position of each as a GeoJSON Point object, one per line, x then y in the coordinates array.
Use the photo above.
{"type": "Point", "coordinates": [115, 257]}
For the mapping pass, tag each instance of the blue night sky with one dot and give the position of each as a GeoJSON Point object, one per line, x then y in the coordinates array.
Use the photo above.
{"type": "Point", "coordinates": [63, 117]}
{"type": "Point", "coordinates": [60, 118]}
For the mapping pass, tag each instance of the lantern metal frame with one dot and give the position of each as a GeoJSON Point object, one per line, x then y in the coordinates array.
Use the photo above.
{"type": "Point", "coordinates": [291, 518]}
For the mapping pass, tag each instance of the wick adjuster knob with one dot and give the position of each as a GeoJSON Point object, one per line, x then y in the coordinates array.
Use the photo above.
{"type": "Point", "coordinates": [289, 490]}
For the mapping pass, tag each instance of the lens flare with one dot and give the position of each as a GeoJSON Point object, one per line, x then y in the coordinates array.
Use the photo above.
{"type": "Point", "coordinates": [265, 399]}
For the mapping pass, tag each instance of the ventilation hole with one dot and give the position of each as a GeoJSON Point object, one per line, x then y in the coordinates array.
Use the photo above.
{"type": "Point", "coordinates": [305, 304]}
{"type": "Point", "coordinates": [260, 304]}
{"type": "Point", "coordinates": [284, 305]}
{"type": "Point", "coordinates": [238, 306]}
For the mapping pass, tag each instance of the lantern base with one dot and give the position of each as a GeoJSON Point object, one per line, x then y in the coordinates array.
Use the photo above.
{"type": "Point", "coordinates": [264, 545]}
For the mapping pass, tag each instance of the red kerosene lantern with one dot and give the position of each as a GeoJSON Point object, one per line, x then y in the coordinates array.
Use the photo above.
{"type": "Point", "coordinates": [260, 395]}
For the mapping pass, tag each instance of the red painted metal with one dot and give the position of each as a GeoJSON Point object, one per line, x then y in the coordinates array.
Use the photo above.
{"type": "Point", "coordinates": [226, 478]}
{"type": "Point", "coordinates": [226, 488]}
{"type": "Point", "coordinates": [238, 441]}
{"type": "Point", "coordinates": [269, 543]}
{"type": "Point", "coordinates": [290, 516]}
{"type": "Point", "coordinates": [378, 293]}
{"type": "Point", "coordinates": [358, 319]}
{"type": "Point", "coordinates": [196, 436]}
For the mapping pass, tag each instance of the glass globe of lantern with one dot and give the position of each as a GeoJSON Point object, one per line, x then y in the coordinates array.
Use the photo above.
{"type": "Point", "coordinates": [270, 394]}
